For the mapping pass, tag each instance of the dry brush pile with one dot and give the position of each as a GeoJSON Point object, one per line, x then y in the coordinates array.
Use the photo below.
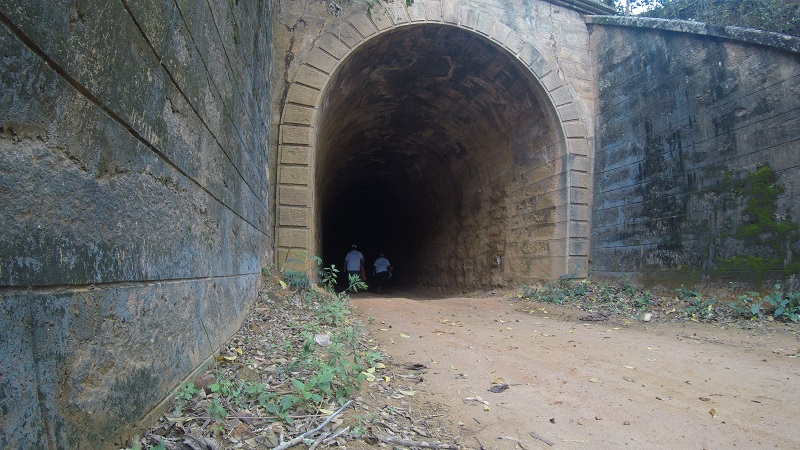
{"type": "Point", "coordinates": [622, 299]}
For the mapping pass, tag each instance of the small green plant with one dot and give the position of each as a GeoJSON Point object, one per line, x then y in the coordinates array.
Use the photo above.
{"type": "Point", "coordinates": [747, 305]}
{"type": "Point", "coordinates": [216, 411]}
{"type": "Point", "coordinates": [222, 387]}
{"type": "Point", "coordinates": [362, 423]}
{"type": "Point", "coordinates": [294, 275]}
{"type": "Point", "coordinates": [698, 308]}
{"type": "Point", "coordinates": [280, 407]}
{"type": "Point", "coordinates": [182, 394]}
{"type": "Point", "coordinates": [556, 291]}
{"type": "Point", "coordinates": [684, 292]}
{"type": "Point", "coordinates": [260, 393]}
{"type": "Point", "coordinates": [333, 313]}
{"type": "Point", "coordinates": [355, 283]}
{"type": "Point", "coordinates": [185, 391]}
{"type": "Point", "coordinates": [643, 299]}
{"type": "Point", "coordinates": [297, 279]}
{"type": "Point", "coordinates": [327, 275]}
{"type": "Point", "coordinates": [785, 306]}
{"type": "Point", "coordinates": [626, 286]}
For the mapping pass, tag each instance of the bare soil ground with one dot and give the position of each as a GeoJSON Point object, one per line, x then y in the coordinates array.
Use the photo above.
{"type": "Point", "coordinates": [577, 384]}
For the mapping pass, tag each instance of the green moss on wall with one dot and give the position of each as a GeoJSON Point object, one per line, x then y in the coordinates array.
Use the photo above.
{"type": "Point", "coordinates": [768, 235]}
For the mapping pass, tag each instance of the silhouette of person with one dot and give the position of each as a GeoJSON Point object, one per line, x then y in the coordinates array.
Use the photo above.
{"type": "Point", "coordinates": [354, 263]}
{"type": "Point", "coordinates": [382, 270]}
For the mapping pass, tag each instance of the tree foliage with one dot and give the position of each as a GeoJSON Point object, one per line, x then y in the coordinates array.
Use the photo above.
{"type": "Point", "coordinates": [779, 16]}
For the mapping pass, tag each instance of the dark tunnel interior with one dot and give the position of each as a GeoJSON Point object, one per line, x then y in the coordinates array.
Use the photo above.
{"type": "Point", "coordinates": [419, 135]}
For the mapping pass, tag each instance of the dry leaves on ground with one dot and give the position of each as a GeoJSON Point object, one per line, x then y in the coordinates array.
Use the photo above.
{"type": "Point", "coordinates": [270, 387]}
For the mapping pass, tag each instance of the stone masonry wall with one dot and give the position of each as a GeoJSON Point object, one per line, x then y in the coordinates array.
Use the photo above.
{"type": "Point", "coordinates": [314, 39]}
{"type": "Point", "coordinates": [134, 197]}
{"type": "Point", "coordinates": [691, 122]}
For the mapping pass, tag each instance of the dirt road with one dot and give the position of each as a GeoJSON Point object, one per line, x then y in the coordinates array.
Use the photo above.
{"type": "Point", "coordinates": [593, 385]}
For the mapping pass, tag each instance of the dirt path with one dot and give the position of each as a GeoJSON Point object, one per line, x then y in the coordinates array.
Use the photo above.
{"type": "Point", "coordinates": [593, 385]}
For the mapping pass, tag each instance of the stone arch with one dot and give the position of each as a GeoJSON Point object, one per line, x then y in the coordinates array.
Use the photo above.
{"type": "Point", "coordinates": [297, 222]}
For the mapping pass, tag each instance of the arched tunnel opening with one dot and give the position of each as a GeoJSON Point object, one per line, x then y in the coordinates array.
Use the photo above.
{"type": "Point", "coordinates": [435, 145]}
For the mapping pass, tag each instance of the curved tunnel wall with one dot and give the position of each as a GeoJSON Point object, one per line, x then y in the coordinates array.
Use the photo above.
{"type": "Point", "coordinates": [452, 147]}
{"type": "Point", "coordinates": [418, 138]}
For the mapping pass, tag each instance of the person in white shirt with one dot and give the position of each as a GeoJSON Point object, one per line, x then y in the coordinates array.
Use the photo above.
{"type": "Point", "coordinates": [354, 263]}
{"type": "Point", "coordinates": [382, 270]}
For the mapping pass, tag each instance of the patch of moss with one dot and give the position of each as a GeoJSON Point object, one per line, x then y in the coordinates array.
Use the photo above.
{"type": "Point", "coordinates": [768, 237]}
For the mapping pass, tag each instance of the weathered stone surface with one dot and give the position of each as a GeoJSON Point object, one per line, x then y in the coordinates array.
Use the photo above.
{"type": "Point", "coordinates": [296, 135]}
{"type": "Point", "coordinates": [303, 95]}
{"type": "Point", "coordinates": [675, 135]}
{"type": "Point", "coordinates": [295, 155]}
{"type": "Point", "coordinates": [300, 115]}
{"type": "Point", "coordinates": [293, 217]}
{"type": "Point", "coordinates": [134, 205]}
{"type": "Point", "coordinates": [74, 384]}
{"type": "Point", "coordinates": [294, 175]}
{"type": "Point", "coordinates": [293, 237]}
{"type": "Point", "coordinates": [293, 195]}
{"type": "Point", "coordinates": [312, 77]}
{"type": "Point", "coordinates": [137, 143]}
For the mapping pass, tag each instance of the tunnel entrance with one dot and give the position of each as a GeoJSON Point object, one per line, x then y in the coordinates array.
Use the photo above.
{"type": "Point", "coordinates": [461, 154]}
{"type": "Point", "coordinates": [432, 140]}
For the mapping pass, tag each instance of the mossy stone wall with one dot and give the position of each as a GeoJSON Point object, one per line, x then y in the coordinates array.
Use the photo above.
{"type": "Point", "coordinates": [687, 117]}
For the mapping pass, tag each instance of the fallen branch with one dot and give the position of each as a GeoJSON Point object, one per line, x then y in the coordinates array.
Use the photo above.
{"type": "Point", "coordinates": [335, 435]}
{"type": "Point", "coordinates": [319, 440]}
{"type": "Point", "coordinates": [410, 443]}
{"type": "Point", "coordinates": [543, 439]}
{"type": "Point", "coordinates": [510, 438]}
{"type": "Point", "coordinates": [300, 438]}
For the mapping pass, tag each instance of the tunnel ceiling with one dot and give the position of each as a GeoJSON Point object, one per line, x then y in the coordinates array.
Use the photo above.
{"type": "Point", "coordinates": [411, 123]}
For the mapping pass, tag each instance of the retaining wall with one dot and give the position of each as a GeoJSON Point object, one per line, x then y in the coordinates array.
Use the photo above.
{"type": "Point", "coordinates": [691, 123]}
{"type": "Point", "coordinates": [135, 215]}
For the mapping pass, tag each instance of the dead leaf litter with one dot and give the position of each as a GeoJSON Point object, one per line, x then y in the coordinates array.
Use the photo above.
{"type": "Point", "coordinates": [384, 413]}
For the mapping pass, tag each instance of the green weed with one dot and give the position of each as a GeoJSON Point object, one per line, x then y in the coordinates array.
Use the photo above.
{"type": "Point", "coordinates": [784, 306]}
{"type": "Point", "coordinates": [698, 308]}
{"type": "Point", "coordinates": [182, 394]}
{"type": "Point", "coordinates": [216, 411]}
{"type": "Point", "coordinates": [747, 305]}
{"type": "Point", "coordinates": [327, 275]}
{"type": "Point", "coordinates": [620, 297]}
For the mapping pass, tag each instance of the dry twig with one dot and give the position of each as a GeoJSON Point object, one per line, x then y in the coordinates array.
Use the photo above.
{"type": "Point", "coordinates": [543, 439]}
{"type": "Point", "coordinates": [300, 438]}
{"type": "Point", "coordinates": [410, 443]}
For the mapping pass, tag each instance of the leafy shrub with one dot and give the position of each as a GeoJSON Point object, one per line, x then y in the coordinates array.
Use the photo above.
{"type": "Point", "coordinates": [621, 295]}
{"type": "Point", "coordinates": [782, 306]}
{"type": "Point", "coordinates": [327, 275]}
{"type": "Point", "coordinates": [698, 308]}
{"type": "Point", "coordinates": [747, 305]}
{"type": "Point", "coordinates": [297, 279]}
{"type": "Point", "coordinates": [785, 306]}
